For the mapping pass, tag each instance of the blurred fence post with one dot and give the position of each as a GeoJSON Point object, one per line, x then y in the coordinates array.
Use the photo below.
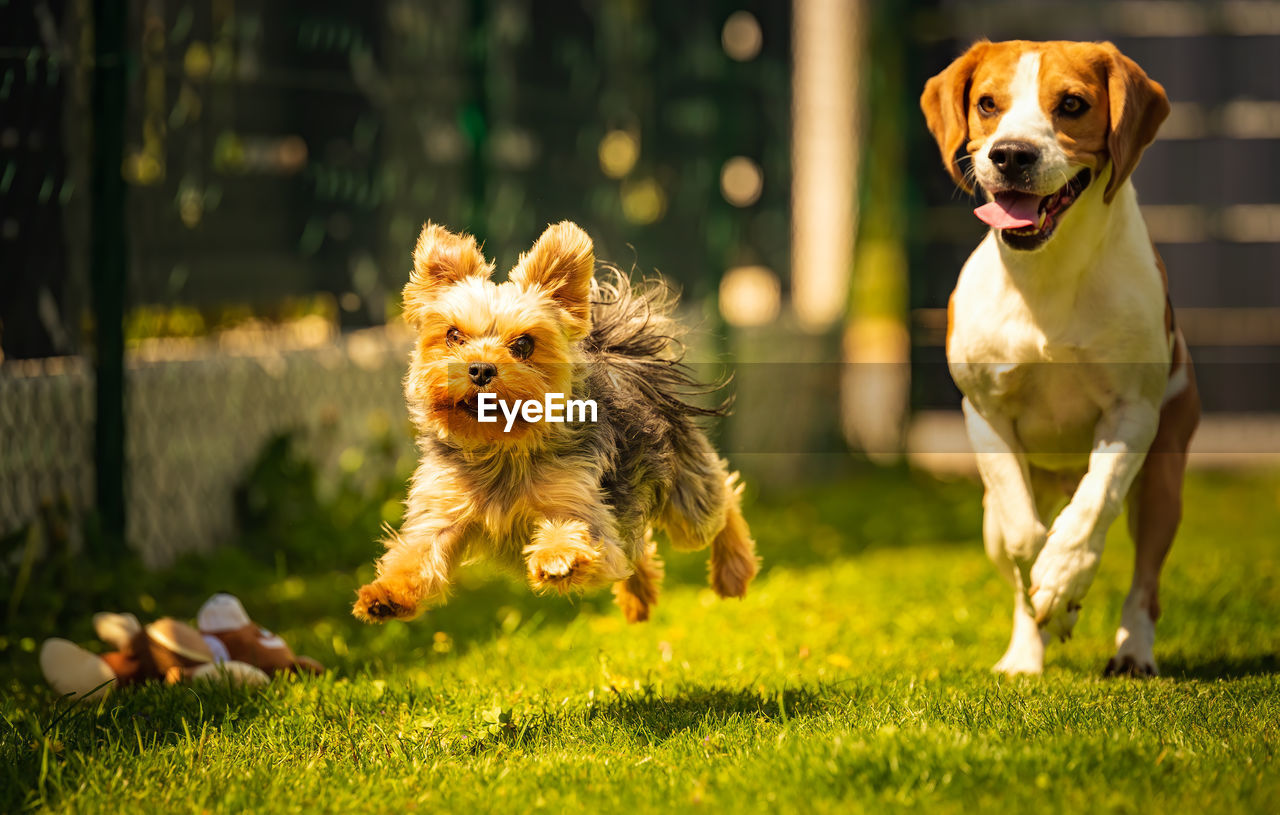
{"type": "Point", "coordinates": [826, 148]}
{"type": "Point", "coordinates": [876, 385]}
{"type": "Point", "coordinates": [107, 265]}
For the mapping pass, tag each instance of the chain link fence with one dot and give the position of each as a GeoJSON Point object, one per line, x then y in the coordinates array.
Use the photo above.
{"type": "Point", "coordinates": [46, 423]}
{"type": "Point", "coordinates": [198, 415]}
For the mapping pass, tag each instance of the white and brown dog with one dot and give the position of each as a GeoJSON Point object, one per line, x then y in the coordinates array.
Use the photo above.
{"type": "Point", "coordinates": [1079, 392]}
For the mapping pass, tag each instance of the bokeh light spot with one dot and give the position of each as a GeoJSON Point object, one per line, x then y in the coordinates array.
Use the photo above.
{"type": "Point", "coordinates": [619, 151]}
{"type": "Point", "coordinates": [197, 61]}
{"type": "Point", "coordinates": [190, 205]}
{"type": "Point", "coordinates": [741, 181]}
{"type": "Point", "coordinates": [291, 154]}
{"type": "Point", "coordinates": [643, 201]}
{"type": "Point", "coordinates": [142, 168]}
{"type": "Point", "coordinates": [750, 296]}
{"type": "Point", "coordinates": [741, 36]}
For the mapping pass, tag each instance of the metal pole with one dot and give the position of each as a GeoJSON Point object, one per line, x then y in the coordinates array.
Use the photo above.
{"type": "Point", "coordinates": [107, 265]}
{"type": "Point", "coordinates": [475, 114]}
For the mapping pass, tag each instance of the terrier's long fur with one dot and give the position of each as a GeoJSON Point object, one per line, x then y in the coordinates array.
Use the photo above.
{"type": "Point", "coordinates": [572, 504]}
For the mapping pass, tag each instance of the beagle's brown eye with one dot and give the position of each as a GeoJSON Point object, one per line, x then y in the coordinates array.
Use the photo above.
{"type": "Point", "coordinates": [1072, 105]}
{"type": "Point", "coordinates": [521, 347]}
{"type": "Point", "coordinates": [453, 337]}
{"type": "Point", "coordinates": [986, 105]}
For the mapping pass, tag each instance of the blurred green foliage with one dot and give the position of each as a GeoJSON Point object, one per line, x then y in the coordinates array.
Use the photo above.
{"type": "Point", "coordinates": [187, 321]}
{"type": "Point", "coordinates": [294, 524]}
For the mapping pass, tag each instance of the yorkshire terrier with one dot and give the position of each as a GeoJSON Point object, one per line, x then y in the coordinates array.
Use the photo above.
{"type": "Point", "coordinates": [573, 504]}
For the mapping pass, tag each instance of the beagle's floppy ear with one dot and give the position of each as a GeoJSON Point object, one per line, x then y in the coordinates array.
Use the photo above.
{"type": "Point", "coordinates": [561, 265]}
{"type": "Point", "coordinates": [1138, 105]}
{"type": "Point", "coordinates": [945, 103]}
{"type": "Point", "coordinates": [440, 258]}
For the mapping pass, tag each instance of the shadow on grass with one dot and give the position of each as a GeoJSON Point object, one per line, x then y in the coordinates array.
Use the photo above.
{"type": "Point", "coordinates": [1228, 667]}
{"type": "Point", "coordinates": [693, 708]}
{"type": "Point", "coordinates": [797, 528]}
{"type": "Point", "coordinates": [651, 717]}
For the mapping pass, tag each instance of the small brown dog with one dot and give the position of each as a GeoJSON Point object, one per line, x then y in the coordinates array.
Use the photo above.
{"type": "Point", "coordinates": [572, 501]}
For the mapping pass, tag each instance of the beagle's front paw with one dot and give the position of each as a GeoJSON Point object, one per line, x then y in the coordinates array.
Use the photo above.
{"type": "Point", "coordinates": [1060, 579]}
{"type": "Point", "coordinates": [1020, 662]}
{"type": "Point", "coordinates": [1062, 574]}
{"type": "Point", "coordinates": [1135, 642]}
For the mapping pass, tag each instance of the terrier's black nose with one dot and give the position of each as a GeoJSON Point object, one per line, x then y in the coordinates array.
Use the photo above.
{"type": "Point", "coordinates": [1013, 158]}
{"type": "Point", "coordinates": [482, 372]}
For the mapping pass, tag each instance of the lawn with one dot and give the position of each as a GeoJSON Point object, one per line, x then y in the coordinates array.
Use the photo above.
{"type": "Point", "coordinates": [854, 677]}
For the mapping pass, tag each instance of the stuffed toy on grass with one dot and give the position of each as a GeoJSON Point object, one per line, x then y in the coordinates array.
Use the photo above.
{"type": "Point", "coordinates": [233, 636]}
{"type": "Point", "coordinates": [229, 647]}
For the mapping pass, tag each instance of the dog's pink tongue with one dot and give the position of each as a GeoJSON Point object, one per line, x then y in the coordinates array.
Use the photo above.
{"type": "Point", "coordinates": [1010, 210]}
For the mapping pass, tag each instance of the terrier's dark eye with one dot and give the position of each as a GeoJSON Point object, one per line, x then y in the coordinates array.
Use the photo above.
{"type": "Point", "coordinates": [521, 347]}
{"type": "Point", "coordinates": [453, 337]}
{"type": "Point", "coordinates": [1072, 105]}
{"type": "Point", "coordinates": [986, 105]}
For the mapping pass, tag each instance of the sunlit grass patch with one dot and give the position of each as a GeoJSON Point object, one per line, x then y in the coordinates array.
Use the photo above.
{"type": "Point", "coordinates": [854, 677]}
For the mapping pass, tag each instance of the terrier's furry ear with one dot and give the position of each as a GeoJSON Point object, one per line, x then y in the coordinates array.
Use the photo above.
{"type": "Point", "coordinates": [561, 264]}
{"type": "Point", "coordinates": [440, 259]}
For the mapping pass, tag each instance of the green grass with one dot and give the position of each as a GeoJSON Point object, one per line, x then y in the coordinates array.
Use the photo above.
{"type": "Point", "coordinates": [854, 677]}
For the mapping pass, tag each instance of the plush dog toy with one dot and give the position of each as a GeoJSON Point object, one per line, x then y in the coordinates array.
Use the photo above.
{"type": "Point", "coordinates": [228, 647]}
{"type": "Point", "coordinates": [165, 650]}
{"type": "Point", "coordinates": [233, 636]}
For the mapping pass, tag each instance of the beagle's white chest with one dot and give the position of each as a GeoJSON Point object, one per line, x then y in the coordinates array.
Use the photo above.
{"type": "Point", "coordinates": [1050, 362]}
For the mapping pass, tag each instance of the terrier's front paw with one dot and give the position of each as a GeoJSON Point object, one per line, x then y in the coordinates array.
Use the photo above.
{"type": "Point", "coordinates": [562, 558]}
{"type": "Point", "coordinates": [379, 602]}
{"type": "Point", "coordinates": [563, 568]}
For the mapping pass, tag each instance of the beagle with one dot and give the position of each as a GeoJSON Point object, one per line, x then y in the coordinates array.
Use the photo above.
{"type": "Point", "coordinates": [1078, 389]}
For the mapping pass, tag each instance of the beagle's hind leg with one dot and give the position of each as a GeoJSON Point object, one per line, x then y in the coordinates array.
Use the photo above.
{"type": "Point", "coordinates": [1155, 510]}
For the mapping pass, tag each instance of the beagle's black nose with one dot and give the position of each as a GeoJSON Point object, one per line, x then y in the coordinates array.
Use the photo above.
{"type": "Point", "coordinates": [482, 372]}
{"type": "Point", "coordinates": [1013, 158]}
